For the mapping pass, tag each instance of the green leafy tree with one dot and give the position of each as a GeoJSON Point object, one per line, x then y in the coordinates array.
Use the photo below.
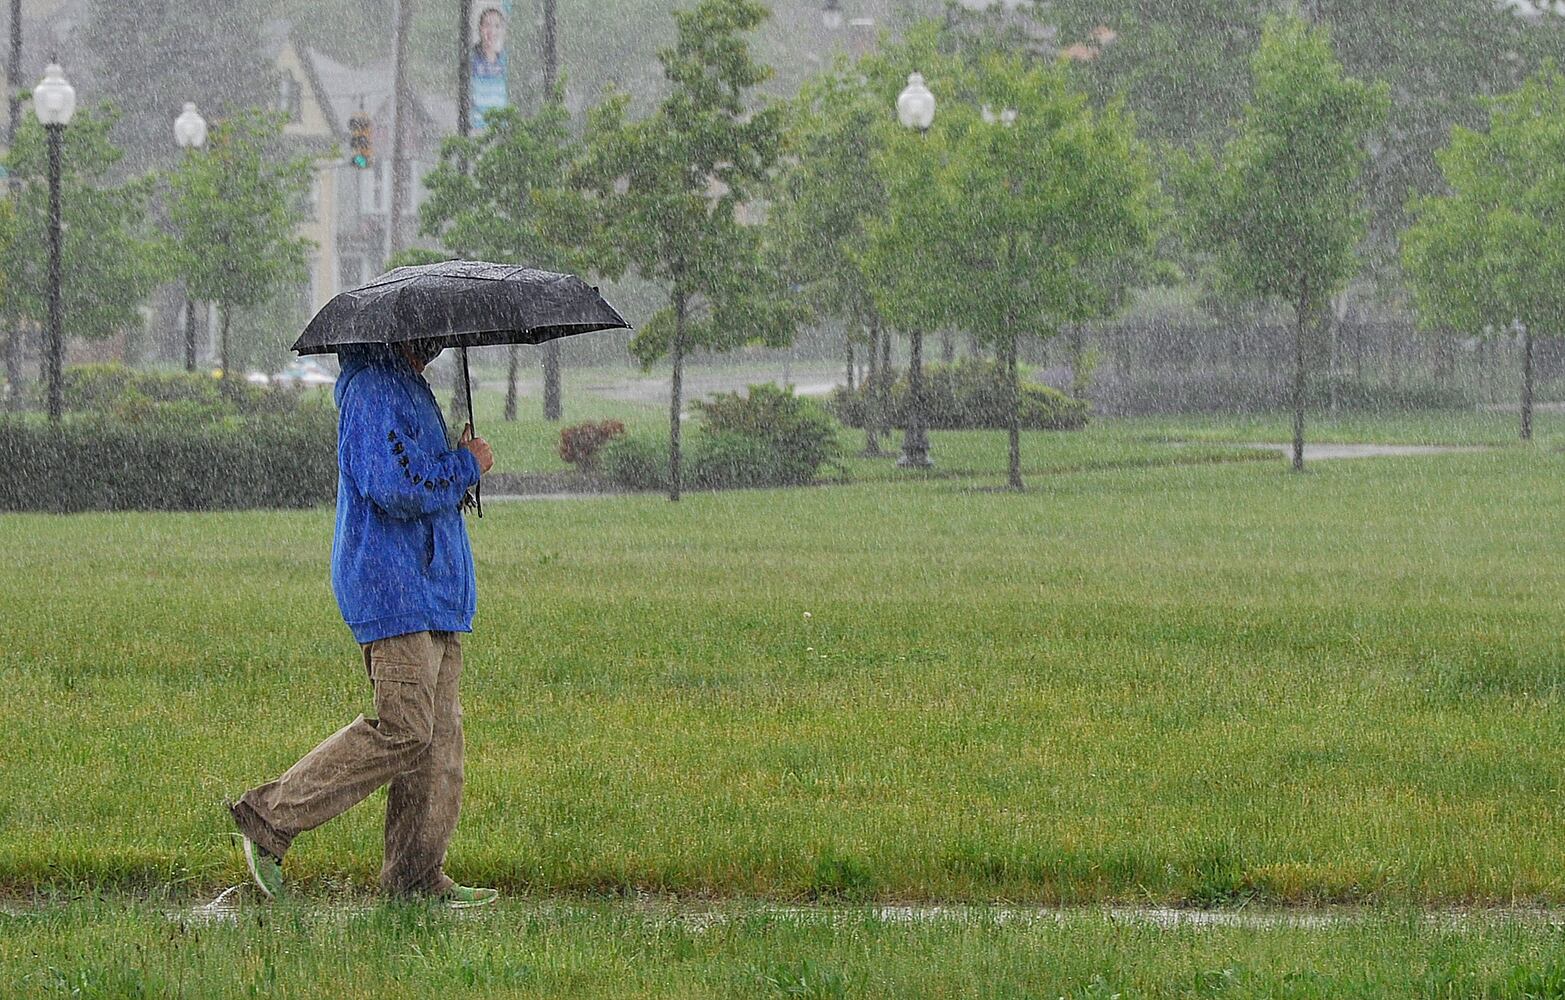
{"type": "Point", "coordinates": [1485, 257]}
{"type": "Point", "coordinates": [109, 251]}
{"type": "Point", "coordinates": [235, 208]}
{"type": "Point", "coordinates": [826, 194]}
{"type": "Point", "coordinates": [507, 205]}
{"type": "Point", "coordinates": [1184, 65]}
{"type": "Point", "coordinates": [666, 194]}
{"type": "Point", "coordinates": [1283, 211]}
{"type": "Point", "coordinates": [1055, 211]}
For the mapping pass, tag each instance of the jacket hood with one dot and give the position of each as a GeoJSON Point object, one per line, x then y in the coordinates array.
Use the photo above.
{"type": "Point", "coordinates": [353, 357]}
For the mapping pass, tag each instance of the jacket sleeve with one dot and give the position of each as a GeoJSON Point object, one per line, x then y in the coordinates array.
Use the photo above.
{"type": "Point", "coordinates": [404, 477]}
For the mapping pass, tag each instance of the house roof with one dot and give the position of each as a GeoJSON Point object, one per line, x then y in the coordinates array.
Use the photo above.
{"type": "Point", "coordinates": [342, 90]}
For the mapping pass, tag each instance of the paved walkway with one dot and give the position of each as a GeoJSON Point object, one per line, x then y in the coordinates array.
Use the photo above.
{"type": "Point", "coordinates": [1322, 452]}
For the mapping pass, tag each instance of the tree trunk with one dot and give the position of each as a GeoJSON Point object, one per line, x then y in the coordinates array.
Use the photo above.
{"type": "Point", "coordinates": [13, 363]}
{"type": "Point", "coordinates": [1334, 333]}
{"type": "Point", "coordinates": [223, 346]}
{"type": "Point", "coordinates": [551, 381]}
{"type": "Point", "coordinates": [1078, 359]}
{"type": "Point", "coordinates": [678, 352]}
{"type": "Point", "coordinates": [847, 339]}
{"type": "Point", "coordinates": [1526, 383]}
{"type": "Point", "coordinates": [947, 347]}
{"type": "Point", "coordinates": [1298, 385]}
{"type": "Point", "coordinates": [915, 441]}
{"type": "Point", "coordinates": [457, 416]}
{"type": "Point", "coordinates": [1014, 409]}
{"type": "Point", "coordinates": [510, 381]}
{"type": "Point", "coordinates": [872, 395]}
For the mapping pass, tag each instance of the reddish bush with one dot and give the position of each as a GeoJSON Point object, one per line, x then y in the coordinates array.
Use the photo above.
{"type": "Point", "coordinates": [579, 444]}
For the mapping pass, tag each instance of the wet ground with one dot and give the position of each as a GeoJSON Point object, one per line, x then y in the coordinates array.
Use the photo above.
{"type": "Point", "coordinates": [229, 904]}
{"type": "Point", "coordinates": [1322, 452]}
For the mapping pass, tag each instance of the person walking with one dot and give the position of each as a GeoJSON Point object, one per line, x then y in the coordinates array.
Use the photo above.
{"type": "Point", "coordinates": [402, 573]}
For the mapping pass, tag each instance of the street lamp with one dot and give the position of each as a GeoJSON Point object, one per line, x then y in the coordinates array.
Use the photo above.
{"type": "Point", "coordinates": [831, 15]}
{"type": "Point", "coordinates": [54, 102]}
{"type": "Point", "coordinates": [915, 110]}
{"type": "Point", "coordinates": [190, 133]}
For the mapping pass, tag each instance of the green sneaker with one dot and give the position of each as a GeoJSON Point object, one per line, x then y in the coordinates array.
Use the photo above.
{"type": "Point", "coordinates": [460, 897]}
{"type": "Point", "coordinates": [266, 870]}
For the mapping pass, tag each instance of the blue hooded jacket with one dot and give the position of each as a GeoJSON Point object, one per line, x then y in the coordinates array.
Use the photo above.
{"type": "Point", "coordinates": [400, 560]}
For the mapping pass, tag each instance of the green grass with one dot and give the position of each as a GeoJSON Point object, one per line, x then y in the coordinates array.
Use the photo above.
{"type": "Point", "coordinates": [614, 950]}
{"type": "Point", "coordinates": [1199, 684]}
{"type": "Point", "coordinates": [1446, 427]}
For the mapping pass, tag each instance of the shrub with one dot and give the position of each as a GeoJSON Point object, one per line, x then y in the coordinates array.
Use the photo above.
{"type": "Point", "coordinates": [114, 388]}
{"type": "Point", "coordinates": [636, 463]}
{"type": "Point", "coordinates": [768, 438]}
{"type": "Point", "coordinates": [968, 395]}
{"type": "Point", "coordinates": [799, 433]}
{"type": "Point", "coordinates": [580, 444]}
{"type": "Point", "coordinates": [729, 460]}
{"type": "Point", "coordinates": [100, 462]}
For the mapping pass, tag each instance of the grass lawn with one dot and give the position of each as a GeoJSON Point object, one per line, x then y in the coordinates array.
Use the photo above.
{"type": "Point", "coordinates": [529, 443]}
{"type": "Point", "coordinates": [616, 950]}
{"type": "Point", "coordinates": [1195, 684]}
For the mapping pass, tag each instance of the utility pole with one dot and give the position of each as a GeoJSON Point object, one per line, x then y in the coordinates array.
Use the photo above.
{"type": "Point", "coordinates": [402, 105]}
{"type": "Point", "coordinates": [551, 350]}
{"type": "Point", "coordinates": [13, 333]}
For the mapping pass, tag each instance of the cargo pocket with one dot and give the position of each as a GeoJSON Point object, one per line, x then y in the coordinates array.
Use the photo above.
{"type": "Point", "coordinates": [405, 703]}
{"type": "Point", "coordinates": [401, 673]}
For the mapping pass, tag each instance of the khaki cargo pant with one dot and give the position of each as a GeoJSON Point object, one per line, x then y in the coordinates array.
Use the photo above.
{"type": "Point", "coordinates": [415, 744]}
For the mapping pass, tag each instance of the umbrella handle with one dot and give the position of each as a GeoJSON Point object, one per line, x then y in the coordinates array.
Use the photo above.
{"type": "Point", "coordinates": [467, 382]}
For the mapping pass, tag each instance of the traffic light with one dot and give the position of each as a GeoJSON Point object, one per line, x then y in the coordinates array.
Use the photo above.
{"type": "Point", "coordinates": [359, 140]}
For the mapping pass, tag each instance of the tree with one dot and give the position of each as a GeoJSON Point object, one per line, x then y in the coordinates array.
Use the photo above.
{"type": "Point", "coordinates": [666, 194]}
{"type": "Point", "coordinates": [825, 196]}
{"type": "Point", "coordinates": [1055, 210]}
{"type": "Point", "coordinates": [109, 252]}
{"type": "Point", "coordinates": [1184, 67]}
{"type": "Point", "coordinates": [1283, 211]}
{"type": "Point", "coordinates": [235, 209]}
{"type": "Point", "coordinates": [506, 206]}
{"type": "Point", "coordinates": [1485, 257]}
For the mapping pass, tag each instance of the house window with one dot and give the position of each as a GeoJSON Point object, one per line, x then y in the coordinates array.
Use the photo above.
{"type": "Point", "coordinates": [290, 96]}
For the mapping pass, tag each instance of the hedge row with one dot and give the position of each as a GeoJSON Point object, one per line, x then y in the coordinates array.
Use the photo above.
{"type": "Point", "coordinates": [102, 463]}
{"type": "Point", "coordinates": [968, 395]}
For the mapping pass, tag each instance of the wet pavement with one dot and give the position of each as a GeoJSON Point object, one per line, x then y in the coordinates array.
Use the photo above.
{"type": "Point", "coordinates": [1323, 452]}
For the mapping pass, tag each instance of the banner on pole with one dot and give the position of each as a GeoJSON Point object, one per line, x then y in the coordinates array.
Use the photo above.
{"type": "Point", "coordinates": [490, 59]}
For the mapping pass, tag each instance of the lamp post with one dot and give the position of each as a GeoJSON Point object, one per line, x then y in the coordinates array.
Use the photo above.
{"type": "Point", "coordinates": [915, 110]}
{"type": "Point", "coordinates": [54, 102]}
{"type": "Point", "coordinates": [190, 133]}
{"type": "Point", "coordinates": [13, 79]}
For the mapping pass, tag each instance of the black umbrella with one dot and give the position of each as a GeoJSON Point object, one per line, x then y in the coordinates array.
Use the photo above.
{"type": "Point", "coordinates": [460, 303]}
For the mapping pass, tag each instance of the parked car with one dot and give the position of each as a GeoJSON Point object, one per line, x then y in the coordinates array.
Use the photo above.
{"type": "Point", "coordinates": [305, 372]}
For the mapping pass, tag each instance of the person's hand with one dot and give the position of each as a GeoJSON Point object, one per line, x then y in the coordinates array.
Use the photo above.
{"type": "Point", "coordinates": [479, 447]}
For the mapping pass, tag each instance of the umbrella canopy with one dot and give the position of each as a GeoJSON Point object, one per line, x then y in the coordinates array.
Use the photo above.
{"type": "Point", "coordinates": [460, 303]}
